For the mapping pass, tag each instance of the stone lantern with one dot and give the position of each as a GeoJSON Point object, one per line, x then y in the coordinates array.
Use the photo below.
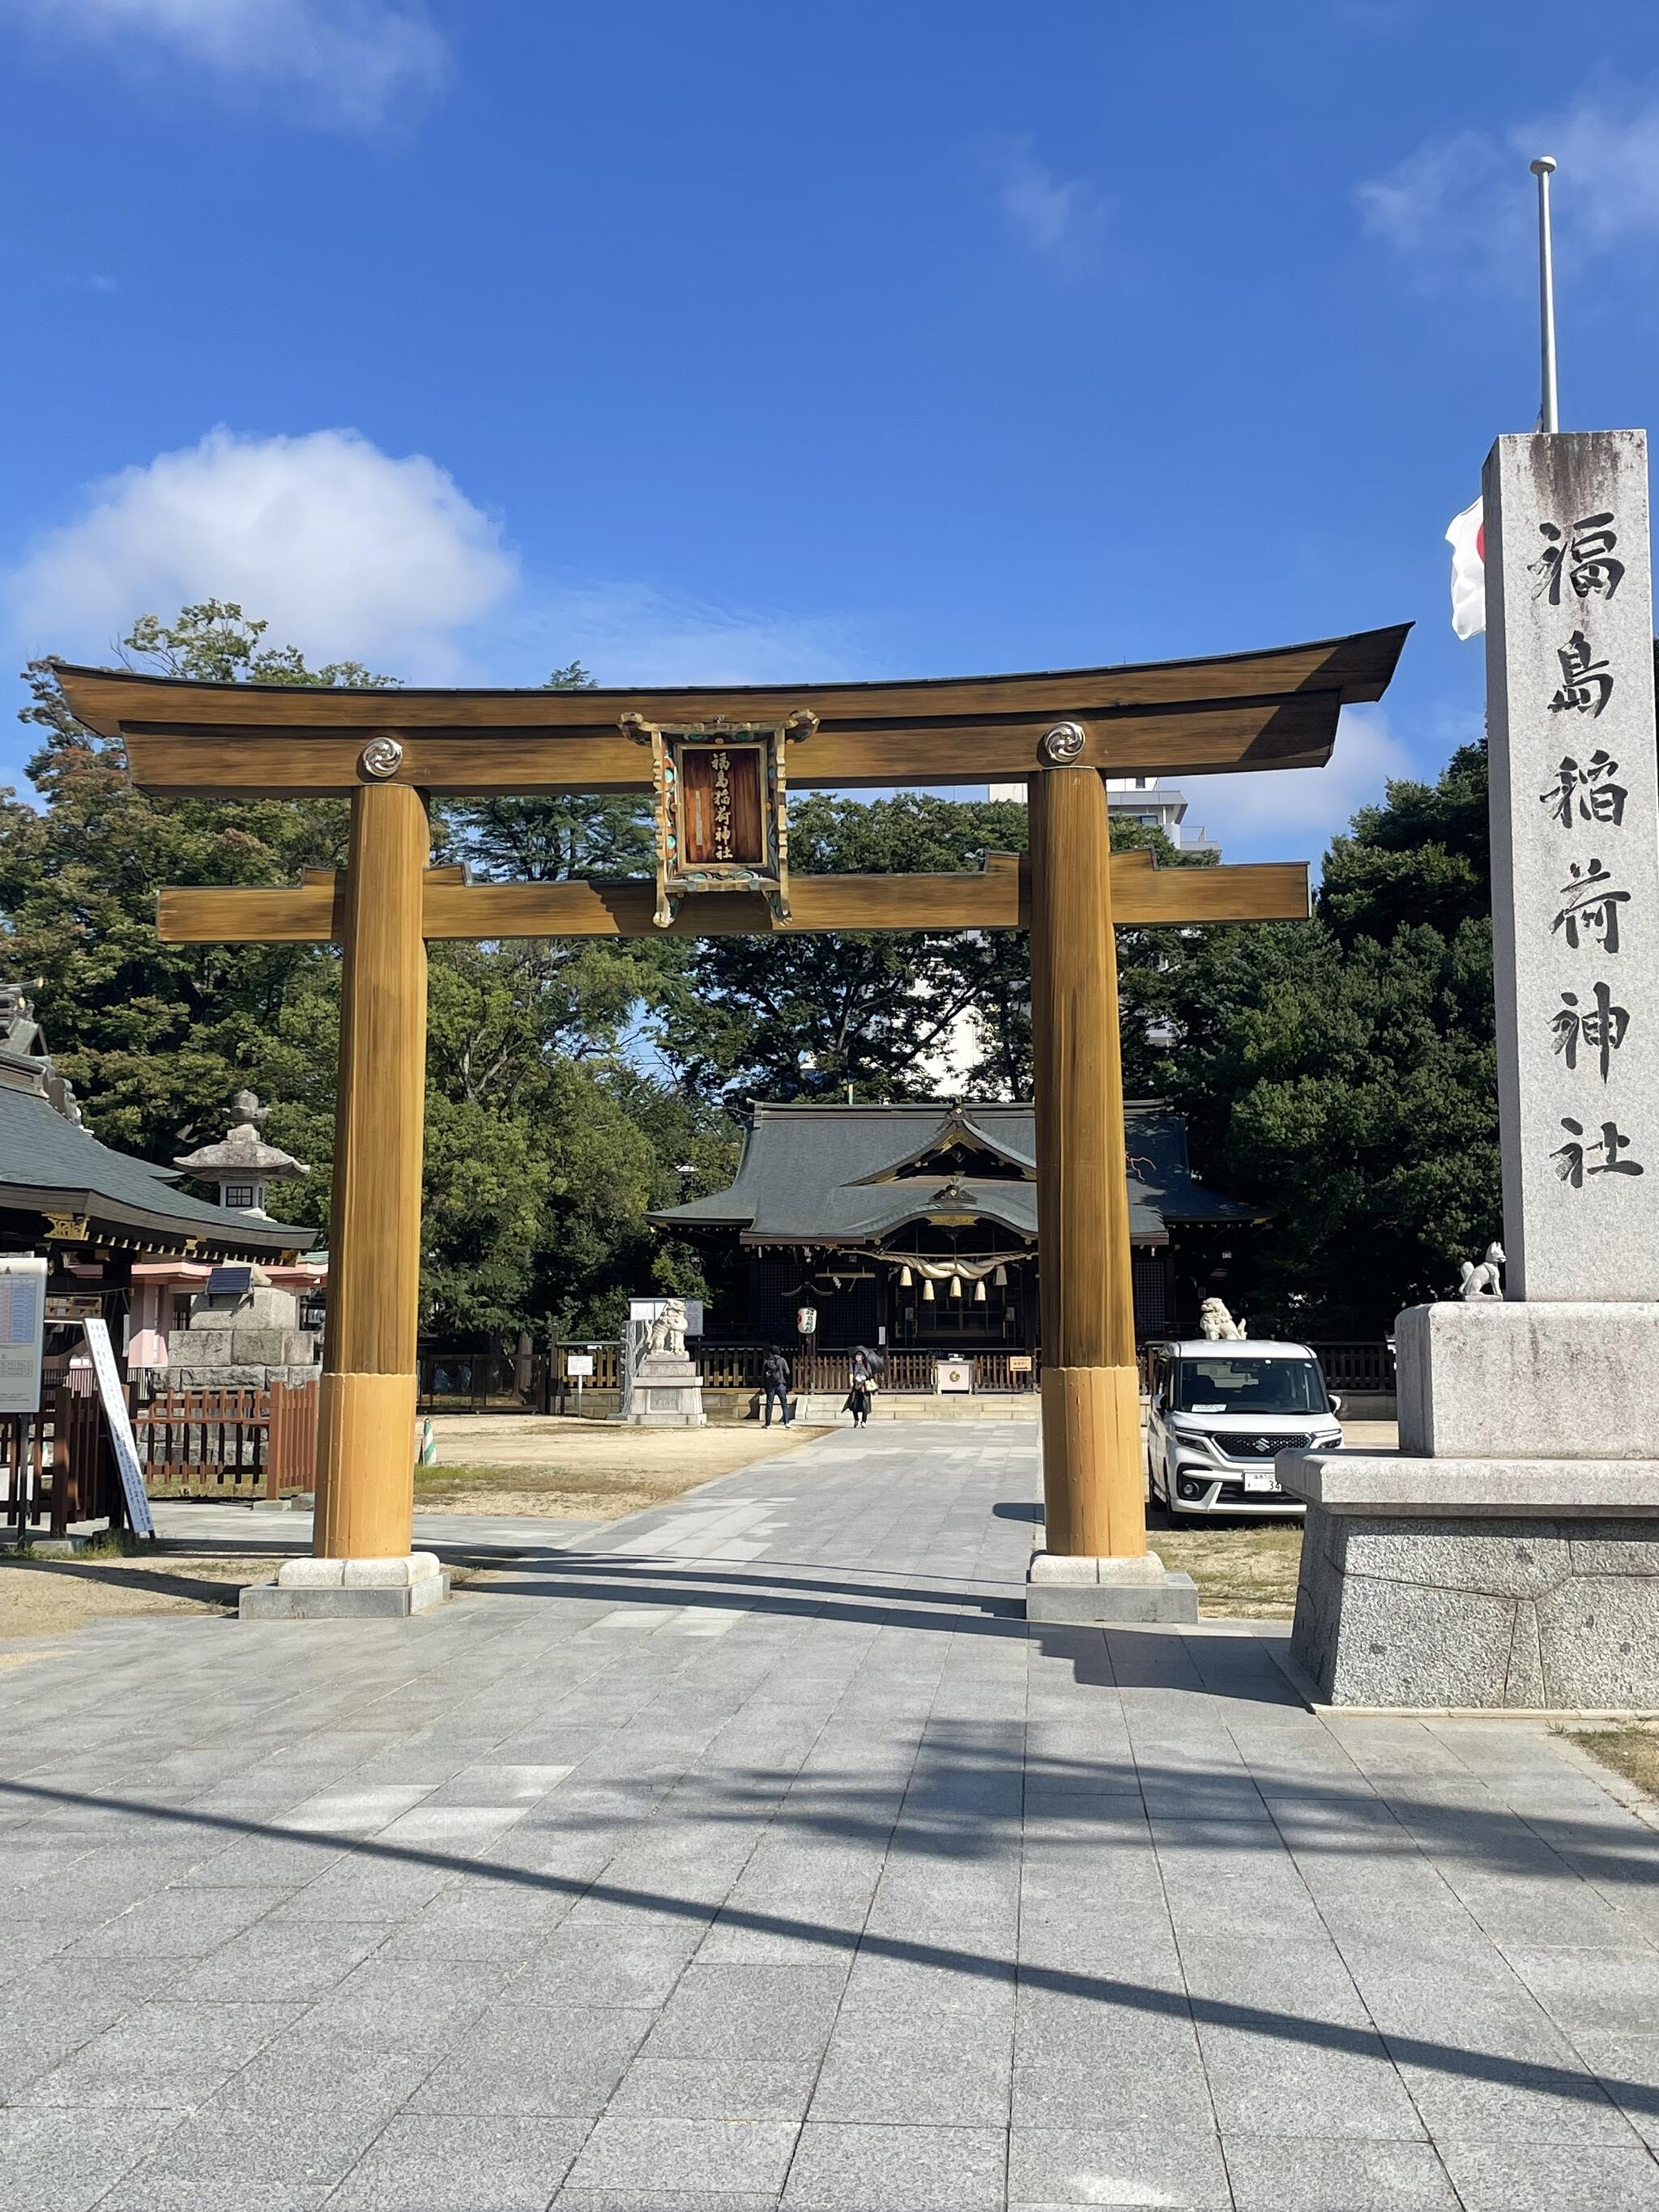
{"type": "Point", "coordinates": [242, 1162]}
{"type": "Point", "coordinates": [243, 1330]}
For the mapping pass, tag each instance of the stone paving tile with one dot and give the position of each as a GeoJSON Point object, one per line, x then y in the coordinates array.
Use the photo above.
{"type": "Point", "coordinates": [584, 1965]}
{"type": "Point", "coordinates": [47, 2165]}
{"type": "Point", "coordinates": [300, 2074]}
{"type": "Point", "coordinates": [749, 2012]}
{"type": "Point", "coordinates": [722, 2089]}
{"type": "Point", "coordinates": [665, 2200]}
{"type": "Point", "coordinates": [1492, 2176]}
{"type": "Point", "coordinates": [638, 2153]}
{"type": "Point", "coordinates": [163, 2055]}
{"type": "Point", "coordinates": [1592, 1989]}
{"type": "Point", "coordinates": [425, 2164]}
{"type": "Point", "coordinates": [1154, 2164]}
{"type": "Point", "coordinates": [1627, 2066]}
{"type": "Point", "coordinates": [1285, 2173]}
{"type": "Point", "coordinates": [221, 2157]}
{"type": "Point", "coordinates": [530, 2061]}
{"type": "Point", "coordinates": [897, 2169]}
{"type": "Point", "coordinates": [279, 1962]}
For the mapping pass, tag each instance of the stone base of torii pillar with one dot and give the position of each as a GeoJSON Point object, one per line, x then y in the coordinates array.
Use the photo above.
{"type": "Point", "coordinates": [1507, 1555]}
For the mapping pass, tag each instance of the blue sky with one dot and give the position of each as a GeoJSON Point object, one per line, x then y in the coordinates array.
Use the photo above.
{"type": "Point", "coordinates": [756, 341]}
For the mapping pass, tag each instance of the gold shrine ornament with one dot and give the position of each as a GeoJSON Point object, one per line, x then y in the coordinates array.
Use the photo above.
{"type": "Point", "coordinates": [721, 821]}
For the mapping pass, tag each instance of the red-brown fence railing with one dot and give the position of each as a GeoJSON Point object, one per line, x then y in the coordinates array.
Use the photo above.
{"type": "Point", "coordinates": [57, 1467]}
{"type": "Point", "coordinates": [230, 1444]}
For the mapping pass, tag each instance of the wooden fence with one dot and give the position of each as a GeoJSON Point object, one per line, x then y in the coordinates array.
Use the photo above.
{"type": "Point", "coordinates": [229, 1444]}
{"type": "Point", "coordinates": [1357, 1366]}
{"type": "Point", "coordinates": [58, 1468]}
{"type": "Point", "coordinates": [738, 1367]}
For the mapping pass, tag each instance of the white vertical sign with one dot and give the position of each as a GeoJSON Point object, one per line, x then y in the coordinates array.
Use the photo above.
{"type": "Point", "coordinates": [22, 1331]}
{"type": "Point", "coordinates": [140, 1519]}
{"type": "Point", "coordinates": [1575, 819]}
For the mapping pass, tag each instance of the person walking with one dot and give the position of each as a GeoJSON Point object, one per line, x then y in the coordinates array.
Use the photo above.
{"type": "Point", "coordinates": [867, 1366]}
{"type": "Point", "coordinates": [774, 1385]}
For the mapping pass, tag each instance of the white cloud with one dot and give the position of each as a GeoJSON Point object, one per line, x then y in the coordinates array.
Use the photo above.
{"type": "Point", "coordinates": [1468, 203]}
{"type": "Point", "coordinates": [348, 553]}
{"type": "Point", "coordinates": [354, 60]}
{"type": "Point", "coordinates": [1292, 814]}
{"type": "Point", "coordinates": [1059, 218]}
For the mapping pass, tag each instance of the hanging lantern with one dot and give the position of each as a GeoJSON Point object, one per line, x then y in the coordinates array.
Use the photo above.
{"type": "Point", "coordinates": [979, 1291]}
{"type": "Point", "coordinates": [905, 1278]}
{"type": "Point", "coordinates": [1001, 1279]}
{"type": "Point", "coordinates": [928, 1291]}
{"type": "Point", "coordinates": [956, 1286]}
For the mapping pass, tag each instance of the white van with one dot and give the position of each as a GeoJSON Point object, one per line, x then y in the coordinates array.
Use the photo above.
{"type": "Point", "coordinates": [1218, 1413]}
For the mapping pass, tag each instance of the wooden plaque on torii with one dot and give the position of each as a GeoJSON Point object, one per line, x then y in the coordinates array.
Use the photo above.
{"type": "Point", "coordinates": [1062, 733]}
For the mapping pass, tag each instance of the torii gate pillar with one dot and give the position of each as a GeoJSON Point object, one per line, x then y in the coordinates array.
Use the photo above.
{"type": "Point", "coordinates": [365, 1499]}
{"type": "Point", "coordinates": [1095, 1565]}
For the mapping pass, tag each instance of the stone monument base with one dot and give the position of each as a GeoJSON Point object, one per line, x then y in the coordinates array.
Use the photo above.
{"type": "Point", "coordinates": [1060, 1587]}
{"type": "Point", "coordinates": [1493, 1585]}
{"type": "Point", "coordinates": [348, 1590]}
{"type": "Point", "coordinates": [667, 1392]}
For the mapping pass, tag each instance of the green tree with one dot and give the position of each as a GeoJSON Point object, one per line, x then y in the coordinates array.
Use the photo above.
{"type": "Point", "coordinates": [1344, 1071]}
{"type": "Point", "coordinates": [885, 1011]}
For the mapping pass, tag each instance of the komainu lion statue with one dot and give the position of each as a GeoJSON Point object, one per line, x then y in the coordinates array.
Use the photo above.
{"type": "Point", "coordinates": [668, 1330]}
{"type": "Point", "coordinates": [1484, 1281]}
{"type": "Point", "coordinates": [1217, 1325]}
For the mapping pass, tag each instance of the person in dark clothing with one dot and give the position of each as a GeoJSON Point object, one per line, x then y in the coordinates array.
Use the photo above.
{"type": "Point", "coordinates": [866, 1367]}
{"type": "Point", "coordinates": [774, 1385]}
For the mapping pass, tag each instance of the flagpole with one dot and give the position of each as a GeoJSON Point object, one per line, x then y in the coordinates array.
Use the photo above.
{"type": "Point", "coordinates": [1548, 413]}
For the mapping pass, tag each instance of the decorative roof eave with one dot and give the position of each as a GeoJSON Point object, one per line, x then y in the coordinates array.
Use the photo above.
{"type": "Point", "coordinates": [956, 1127]}
{"type": "Point", "coordinates": [113, 1221]}
{"type": "Point", "coordinates": [688, 1217]}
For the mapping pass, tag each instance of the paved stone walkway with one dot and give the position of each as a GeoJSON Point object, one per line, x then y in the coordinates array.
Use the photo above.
{"type": "Point", "coordinates": [758, 1854]}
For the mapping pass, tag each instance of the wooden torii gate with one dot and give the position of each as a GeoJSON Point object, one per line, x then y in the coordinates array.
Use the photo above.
{"type": "Point", "coordinates": [1062, 733]}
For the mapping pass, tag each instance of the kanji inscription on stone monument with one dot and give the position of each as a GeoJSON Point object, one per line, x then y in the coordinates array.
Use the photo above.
{"type": "Point", "coordinates": [1574, 863]}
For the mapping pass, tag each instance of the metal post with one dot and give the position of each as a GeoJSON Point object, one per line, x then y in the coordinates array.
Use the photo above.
{"type": "Point", "coordinates": [1548, 412]}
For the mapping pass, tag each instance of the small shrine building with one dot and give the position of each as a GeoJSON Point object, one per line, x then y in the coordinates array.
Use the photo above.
{"type": "Point", "coordinates": [120, 1238]}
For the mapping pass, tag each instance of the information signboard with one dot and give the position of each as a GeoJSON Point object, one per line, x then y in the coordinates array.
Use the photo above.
{"type": "Point", "coordinates": [22, 1327]}
{"type": "Point", "coordinates": [140, 1519]}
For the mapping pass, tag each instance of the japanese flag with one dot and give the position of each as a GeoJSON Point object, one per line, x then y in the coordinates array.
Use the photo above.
{"type": "Point", "coordinates": [1467, 536]}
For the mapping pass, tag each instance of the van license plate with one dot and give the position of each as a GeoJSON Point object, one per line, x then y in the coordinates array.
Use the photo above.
{"type": "Point", "coordinates": [1259, 1477]}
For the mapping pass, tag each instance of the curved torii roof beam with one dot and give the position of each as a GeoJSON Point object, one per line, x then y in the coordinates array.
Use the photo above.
{"type": "Point", "coordinates": [1245, 710]}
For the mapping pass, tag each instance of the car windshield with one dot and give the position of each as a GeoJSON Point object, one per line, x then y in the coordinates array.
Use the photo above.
{"type": "Point", "coordinates": [1229, 1384]}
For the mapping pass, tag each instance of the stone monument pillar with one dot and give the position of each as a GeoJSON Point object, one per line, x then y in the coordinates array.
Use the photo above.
{"type": "Point", "coordinates": [1508, 1554]}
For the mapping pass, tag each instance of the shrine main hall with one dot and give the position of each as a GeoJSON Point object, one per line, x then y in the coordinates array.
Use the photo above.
{"type": "Point", "coordinates": [915, 1226]}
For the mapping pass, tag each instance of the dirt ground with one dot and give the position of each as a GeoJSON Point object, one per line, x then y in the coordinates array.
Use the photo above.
{"type": "Point", "coordinates": [581, 1470]}
{"type": "Point", "coordinates": [1244, 1573]}
{"type": "Point", "coordinates": [51, 1597]}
